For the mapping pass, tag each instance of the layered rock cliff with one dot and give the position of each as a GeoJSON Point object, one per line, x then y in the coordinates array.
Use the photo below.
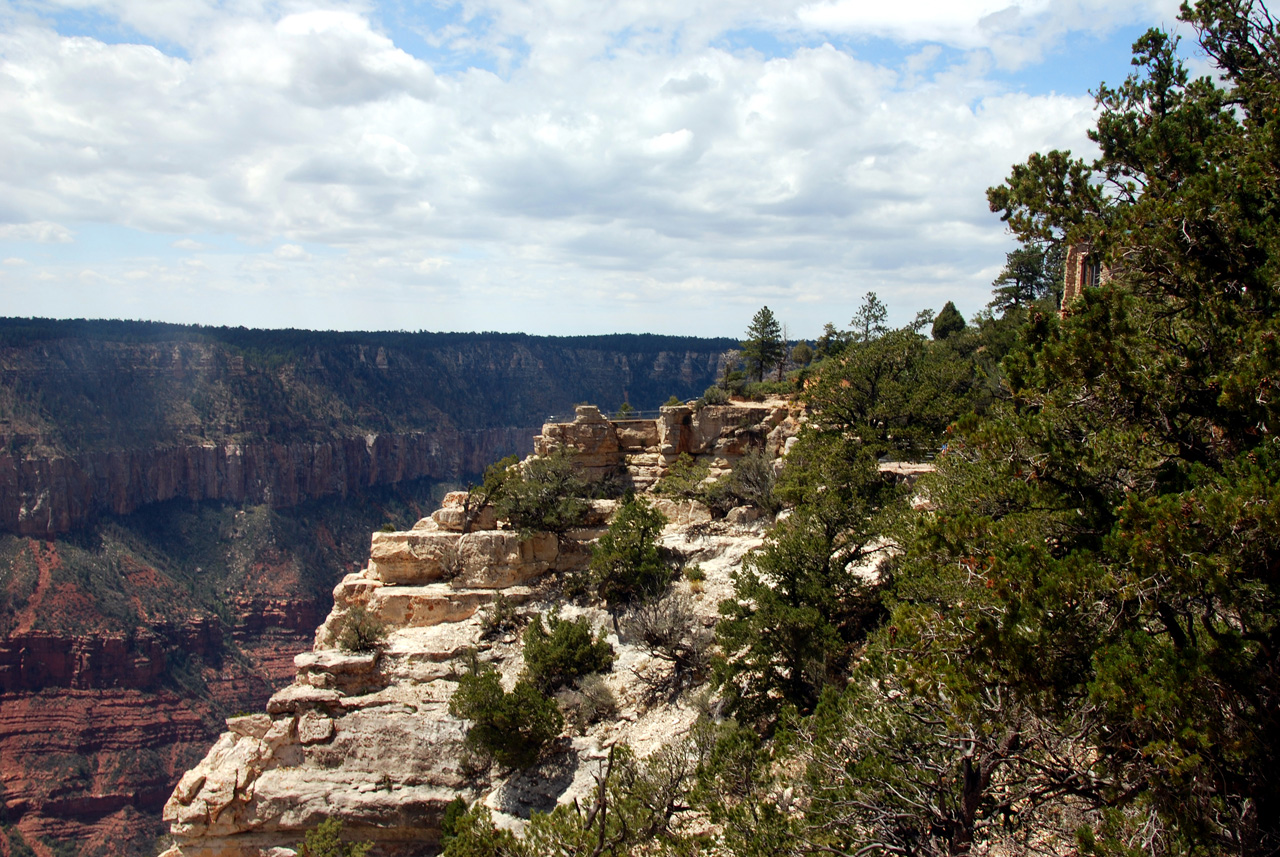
{"type": "Point", "coordinates": [196, 493]}
{"type": "Point", "coordinates": [43, 496]}
{"type": "Point", "coordinates": [107, 417]}
{"type": "Point", "coordinates": [368, 737]}
{"type": "Point", "coordinates": [122, 650]}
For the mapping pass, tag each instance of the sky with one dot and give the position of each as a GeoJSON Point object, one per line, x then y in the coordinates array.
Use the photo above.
{"type": "Point", "coordinates": [544, 166]}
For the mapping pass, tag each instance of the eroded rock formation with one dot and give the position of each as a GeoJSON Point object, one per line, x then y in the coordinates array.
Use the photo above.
{"type": "Point", "coordinates": [43, 496]}
{"type": "Point", "coordinates": [368, 737]}
{"type": "Point", "coordinates": [643, 450]}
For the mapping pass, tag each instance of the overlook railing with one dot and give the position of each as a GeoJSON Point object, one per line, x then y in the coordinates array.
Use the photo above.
{"type": "Point", "coordinates": [651, 414]}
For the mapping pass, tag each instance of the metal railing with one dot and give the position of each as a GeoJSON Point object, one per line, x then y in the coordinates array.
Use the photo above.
{"type": "Point", "coordinates": [649, 414]}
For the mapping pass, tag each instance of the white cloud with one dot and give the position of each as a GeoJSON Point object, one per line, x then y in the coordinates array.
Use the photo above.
{"type": "Point", "coordinates": [42, 232]}
{"type": "Point", "coordinates": [623, 150]}
{"type": "Point", "coordinates": [290, 252]}
{"type": "Point", "coordinates": [1016, 32]}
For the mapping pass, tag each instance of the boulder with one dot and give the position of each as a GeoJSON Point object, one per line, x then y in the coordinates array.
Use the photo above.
{"type": "Point", "coordinates": [497, 559]}
{"type": "Point", "coordinates": [682, 513]}
{"type": "Point", "coordinates": [743, 515]}
{"type": "Point", "coordinates": [452, 515]}
{"type": "Point", "coordinates": [416, 556]}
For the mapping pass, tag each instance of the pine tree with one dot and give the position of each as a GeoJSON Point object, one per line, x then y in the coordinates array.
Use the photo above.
{"type": "Point", "coordinates": [869, 323]}
{"type": "Point", "coordinates": [763, 347]}
{"type": "Point", "coordinates": [1030, 273]}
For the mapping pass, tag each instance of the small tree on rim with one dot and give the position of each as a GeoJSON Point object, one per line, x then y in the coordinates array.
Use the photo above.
{"type": "Point", "coordinates": [763, 348]}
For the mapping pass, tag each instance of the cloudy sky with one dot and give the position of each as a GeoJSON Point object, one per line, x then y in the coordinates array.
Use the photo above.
{"type": "Point", "coordinates": [549, 166]}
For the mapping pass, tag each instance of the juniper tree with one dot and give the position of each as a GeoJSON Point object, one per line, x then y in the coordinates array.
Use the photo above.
{"type": "Point", "coordinates": [1101, 555]}
{"type": "Point", "coordinates": [948, 322]}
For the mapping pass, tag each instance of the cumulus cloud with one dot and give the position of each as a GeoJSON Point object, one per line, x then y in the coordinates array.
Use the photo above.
{"type": "Point", "coordinates": [42, 232]}
{"type": "Point", "coordinates": [1015, 32]}
{"type": "Point", "coordinates": [622, 149]}
{"type": "Point", "coordinates": [290, 252]}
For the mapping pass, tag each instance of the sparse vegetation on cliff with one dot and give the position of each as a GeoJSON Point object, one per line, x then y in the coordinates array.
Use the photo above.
{"type": "Point", "coordinates": [326, 841]}
{"type": "Point", "coordinates": [361, 631]}
{"type": "Point", "coordinates": [626, 565]}
{"type": "Point", "coordinates": [510, 728]}
{"type": "Point", "coordinates": [543, 494]}
{"type": "Point", "coordinates": [567, 651]}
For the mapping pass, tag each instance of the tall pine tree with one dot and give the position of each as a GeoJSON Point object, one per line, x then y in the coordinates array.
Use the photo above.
{"type": "Point", "coordinates": [763, 348]}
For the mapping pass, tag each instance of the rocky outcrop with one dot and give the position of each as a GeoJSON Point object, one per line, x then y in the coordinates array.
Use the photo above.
{"type": "Point", "coordinates": [368, 738]}
{"type": "Point", "coordinates": [642, 451]}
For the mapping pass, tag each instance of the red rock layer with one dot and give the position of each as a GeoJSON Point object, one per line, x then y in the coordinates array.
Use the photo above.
{"type": "Point", "coordinates": [91, 744]}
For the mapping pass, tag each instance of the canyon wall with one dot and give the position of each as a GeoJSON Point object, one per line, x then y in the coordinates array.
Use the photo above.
{"type": "Point", "coordinates": [367, 737]}
{"type": "Point", "coordinates": [106, 417]}
{"type": "Point", "coordinates": [48, 495]}
{"type": "Point", "coordinates": [177, 503]}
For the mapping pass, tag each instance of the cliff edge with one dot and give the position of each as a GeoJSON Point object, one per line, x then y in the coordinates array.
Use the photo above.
{"type": "Point", "coordinates": [368, 737]}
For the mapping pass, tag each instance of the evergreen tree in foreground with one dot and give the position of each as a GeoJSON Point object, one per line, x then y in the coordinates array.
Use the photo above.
{"type": "Point", "coordinates": [1085, 628]}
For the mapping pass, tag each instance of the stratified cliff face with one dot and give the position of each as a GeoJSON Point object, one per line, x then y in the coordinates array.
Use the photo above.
{"type": "Point", "coordinates": [107, 417]}
{"type": "Point", "coordinates": [177, 503]}
{"type": "Point", "coordinates": [123, 647]}
{"type": "Point", "coordinates": [368, 737]}
{"type": "Point", "coordinates": [42, 496]}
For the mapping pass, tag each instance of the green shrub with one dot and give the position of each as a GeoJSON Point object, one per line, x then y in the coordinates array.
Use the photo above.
{"type": "Point", "coordinates": [568, 651]}
{"type": "Point", "coordinates": [326, 841]}
{"type": "Point", "coordinates": [684, 479]}
{"type": "Point", "coordinates": [450, 824]}
{"type": "Point", "coordinates": [697, 578]}
{"type": "Point", "coordinates": [361, 631]}
{"type": "Point", "coordinates": [474, 835]}
{"type": "Point", "coordinates": [626, 565]}
{"type": "Point", "coordinates": [509, 728]}
{"type": "Point", "coordinates": [545, 494]}
{"type": "Point", "coordinates": [750, 484]}
{"type": "Point", "coordinates": [490, 491]}
{"type": "Point", "coordinates": [673, 402]}
{"type": "Point", "coordinates": [715, 395]}
{"type": "Point", "coordinates": [18, 846]}
{"type": "Point", "coordinates": [762, 390]}
{"type": "Point", "coordinates": [499, 618]}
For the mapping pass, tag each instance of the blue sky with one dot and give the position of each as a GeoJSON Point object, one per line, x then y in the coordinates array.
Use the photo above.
{"type": "Point", "coordinates": [549, 166]}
